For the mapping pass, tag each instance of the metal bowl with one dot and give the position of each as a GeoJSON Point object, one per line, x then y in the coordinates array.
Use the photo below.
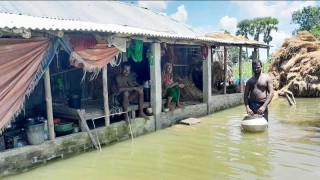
{"type": "Point", "coordinates": [255, 123]}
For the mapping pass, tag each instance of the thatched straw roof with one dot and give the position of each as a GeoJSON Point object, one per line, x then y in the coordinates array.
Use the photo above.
{"type": "Point", "coordinates": [228, 39]}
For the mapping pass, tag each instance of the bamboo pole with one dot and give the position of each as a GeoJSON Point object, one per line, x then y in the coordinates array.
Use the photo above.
{"type": "Point", "coordinates": [105, 95]}
{"type": "Point", "coordinates": [240, 69]}
{"type": "Point", "coordinates": [225, 70]}
{"type": "Point", "coordinates": [49, 104]}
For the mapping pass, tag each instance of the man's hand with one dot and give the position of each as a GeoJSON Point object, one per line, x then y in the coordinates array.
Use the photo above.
{"type": "Point", "coordinates": [261, 110]}
{"type": "Point", "coordinates": [138, 89]}
{"type": "Point", "coordinates": [181, 85]}
{"type": "Point", "coordinates": [249, 111]}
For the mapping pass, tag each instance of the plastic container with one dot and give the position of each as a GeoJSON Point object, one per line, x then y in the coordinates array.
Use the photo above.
{"type": "Point", "coordinates": [35, 133]}
{"type": "Point", "coordinates": [63, 128]}
{"type": "Point", "coordinates": [45, 132]}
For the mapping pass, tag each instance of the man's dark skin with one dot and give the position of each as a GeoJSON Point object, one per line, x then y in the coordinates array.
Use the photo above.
{"type": "Point", "coordinates": [129, 90]}
{"type": "Point", "coordinates": [259, 88]}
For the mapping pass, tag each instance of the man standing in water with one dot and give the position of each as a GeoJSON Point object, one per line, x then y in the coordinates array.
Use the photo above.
{"type": "Point", "coordinates": [129, 90]}
{"type": "Point", "coordinates": [258, 92]}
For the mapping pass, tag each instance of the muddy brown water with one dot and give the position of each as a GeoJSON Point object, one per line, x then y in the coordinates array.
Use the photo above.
{"type": "Point", "coordinates": [216, 148]}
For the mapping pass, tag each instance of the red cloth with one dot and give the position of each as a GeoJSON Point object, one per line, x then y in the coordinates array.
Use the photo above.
{"type": "Point", "coordinates": [94, 58]}
{"type": "Point", "coordinates": [82, 41]}
{"type": "Point", "coordinates": [19, 62]}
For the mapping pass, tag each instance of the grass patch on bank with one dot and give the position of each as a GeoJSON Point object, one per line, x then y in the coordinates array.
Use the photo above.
{"type": "Point", "coordinates": [247, 69]}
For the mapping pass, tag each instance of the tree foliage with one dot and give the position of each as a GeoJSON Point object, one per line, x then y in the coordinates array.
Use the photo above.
{"type": "Point", "coordinates": [269, 25]}
{"type": "Point", "coordinates": [244, 28]}
{"type": "Point", "coordinates": [258, 26]}
{"type": "Point", "coordinates": [306, 18]}
{"type": "Point", "coordinates": [316, 31]}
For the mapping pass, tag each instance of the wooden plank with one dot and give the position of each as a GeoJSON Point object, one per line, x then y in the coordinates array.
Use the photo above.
{"type": "Point", "coordinates": [92, 111]}
{"type": "Point", "coordinates": [190, 121]}
{"type": "Point", "coordinates": [84, 124]}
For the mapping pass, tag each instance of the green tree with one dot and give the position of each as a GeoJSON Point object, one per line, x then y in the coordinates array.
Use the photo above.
{"type": "Point", "coordinates": [316, 31]}
{"type": "Point", "coordinates": [269, 25]}
{"type": "Point", "coordinates": [257, 27]}
{"type": "Point", "coordinates": [307, 18]}
{"type": "Point", "coordinates": [243, 29]}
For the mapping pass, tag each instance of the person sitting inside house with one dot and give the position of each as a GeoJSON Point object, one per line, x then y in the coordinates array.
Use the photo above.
{"type": "Point", "coordinates": [128, 90]}
{"type": "Point", "coordinates": [171, 89]}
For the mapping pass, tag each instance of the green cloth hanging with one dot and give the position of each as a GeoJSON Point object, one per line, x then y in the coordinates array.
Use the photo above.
{"type": "Point", "coordinates": [135, 50]}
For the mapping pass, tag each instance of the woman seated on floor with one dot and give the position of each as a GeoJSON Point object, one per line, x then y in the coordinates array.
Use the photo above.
{"type": "Point", "coordinates": [170, 88]}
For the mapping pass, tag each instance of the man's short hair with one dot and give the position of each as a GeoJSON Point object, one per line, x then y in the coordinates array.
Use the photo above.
{"type": "Point", "coordinates": [256, 62]}
{"type": "Point", "coordinates": [125, 64]}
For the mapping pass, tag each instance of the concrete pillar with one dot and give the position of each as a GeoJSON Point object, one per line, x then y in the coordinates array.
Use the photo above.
{"type": "Point", "coordinates": [105, 95]}
{"type": "Point", "coordinates": [156, 83]}
{"type": "Point", "coordinates": [206, 75]}
{"type": "Point", "coordinates": [240, 69]}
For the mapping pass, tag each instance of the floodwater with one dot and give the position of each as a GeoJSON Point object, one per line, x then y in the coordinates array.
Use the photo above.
{"type": "Point", "coordinates": [216, 148]}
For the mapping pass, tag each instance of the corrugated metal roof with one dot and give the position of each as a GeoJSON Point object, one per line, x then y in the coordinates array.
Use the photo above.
{"type": "Point", "coordinates": [101, 16]}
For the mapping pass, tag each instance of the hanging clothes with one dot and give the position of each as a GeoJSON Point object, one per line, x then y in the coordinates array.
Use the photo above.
{"type": "Point", "coordinates": [81, 42]}
{"type": "Point", "coordinates": [93, 59]}
{"type": "Point", "coordinates": [120, 43]}
{"type": "Point", "coordinates": [21, 66]}
{"type": "Point", "coordinates": [135, 50]}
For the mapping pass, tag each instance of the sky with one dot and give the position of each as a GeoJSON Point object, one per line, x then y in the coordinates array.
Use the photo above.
{"type": "Point", "coordinates": [212, 16]}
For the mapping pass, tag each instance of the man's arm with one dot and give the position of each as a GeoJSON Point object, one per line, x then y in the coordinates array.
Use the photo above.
{"type": "Point", "coordinates": [172, 85]}
{"type": "Point", "coordinates": [120, 85]}
{"type": "Point", "coordinates": [270, 96]}
{"type": "Point", "coordinates": [270, 91]}
{"type": "Point", "coordinates": [245, 97]}
{"type": "Point", "coordinates": [132, 83]}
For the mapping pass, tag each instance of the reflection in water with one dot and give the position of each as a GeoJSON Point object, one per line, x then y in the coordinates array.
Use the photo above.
{"type": "Point", "coordinates": [216, 148]}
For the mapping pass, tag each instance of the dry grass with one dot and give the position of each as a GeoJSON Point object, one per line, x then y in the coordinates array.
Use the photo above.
{"type": "Point", "coordinates": [296, 66]}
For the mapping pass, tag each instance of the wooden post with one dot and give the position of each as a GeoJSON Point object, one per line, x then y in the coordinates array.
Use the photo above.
{"type": "Point", "coordinates": [240, 69]}
{"type": "Point", "coordinates": [105, 95]}
{"type": "Point", "coordinates": [206, 76]}
{"type": "Point", "coordinates": [49, 103]}
{"type": "Point", "coordinates": [225, 70]}
{"type": "Point", "coordinates": [155, 75]}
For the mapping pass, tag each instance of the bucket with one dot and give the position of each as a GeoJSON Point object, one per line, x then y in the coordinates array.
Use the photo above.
{"type": "Point", "coordinates": [35, 133]}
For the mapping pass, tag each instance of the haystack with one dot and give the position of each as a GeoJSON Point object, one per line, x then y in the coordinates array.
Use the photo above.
{"type": "Point", "coordinates": [296, 66]}
{"type": "Point", "coordinates": [190, 92]}
{"type": "Point", "coordinates": [217, 68]}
